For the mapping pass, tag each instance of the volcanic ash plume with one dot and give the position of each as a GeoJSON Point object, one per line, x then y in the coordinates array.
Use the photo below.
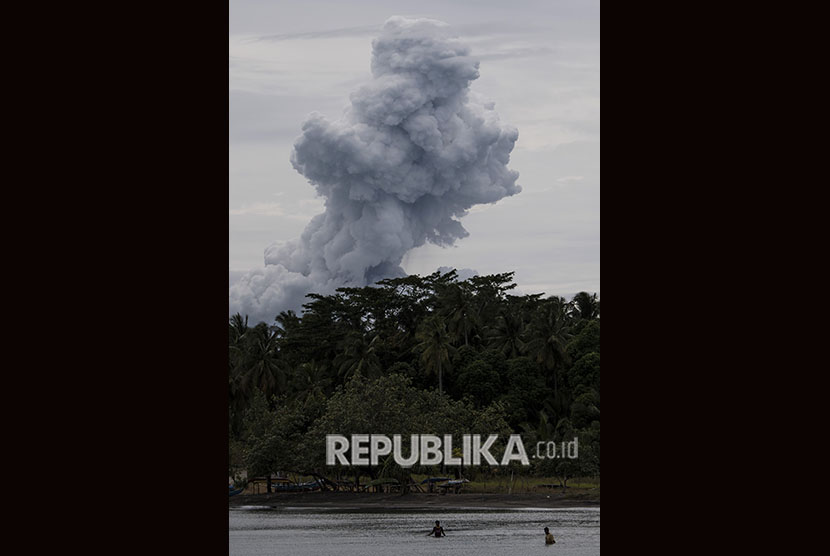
{"type": "Point", "coordinates": [414, 151]}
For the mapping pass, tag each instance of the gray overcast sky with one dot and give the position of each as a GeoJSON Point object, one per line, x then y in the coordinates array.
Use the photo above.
{"type": "Point", "coordinates": [540, 64]}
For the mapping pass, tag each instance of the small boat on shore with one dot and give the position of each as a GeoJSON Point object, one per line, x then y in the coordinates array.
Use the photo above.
{"type": "Point", "coordinates": [434, 480]}
{"type": "Point", "coordinates": [455, 484]}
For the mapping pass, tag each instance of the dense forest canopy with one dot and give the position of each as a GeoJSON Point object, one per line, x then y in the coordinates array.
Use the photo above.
{"type": "Point", "coordinates": [419, 354]}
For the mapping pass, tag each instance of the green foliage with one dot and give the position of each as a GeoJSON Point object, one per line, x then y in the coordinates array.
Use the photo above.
{"type": "Point", "coordinates": [463, 356]}
{"type": "Point", "coordinates": [525, 390]}
{"type": "Point", "coordinates": [479, 382]}
{"type": "Point", "coordinates": [402, 368]}
{"type": "Point", "coordinates": [585, 409]}
{"type": "Point", "coordinates": [273, 439]}
{"type": "Point", "coordinates": [391, 405]}
{"type": "Point", "coordinates": [415, 354]}
{"type": "Point", "coordinates": [584, 373]}
{"type": "Point", "coordinates": [586, 341]}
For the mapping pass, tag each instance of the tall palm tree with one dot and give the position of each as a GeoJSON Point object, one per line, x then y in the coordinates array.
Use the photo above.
{"type": "Point", "coordinates": [506, 334]}
{"type": "Point", "coordinates": [311, 381]}
{"type": "Point", "coordinates": [237, 395]}
{"type": "Point", "coordinates": [550, 333]}
{"type": "Point", "coordinates": [286, 321]}
{"type": "Point", "coordinates": [262, 366]}
{"type": "Point", "coordinates": [435, 347]}
{"type": "Point", "coordinates": [237, 327]}
{"type": "Point", "coordinates": [586, 306]}
{"type": "Point", "coordinates": [460, 311]}
{"type": "Point", "coordinates": [359, 356]}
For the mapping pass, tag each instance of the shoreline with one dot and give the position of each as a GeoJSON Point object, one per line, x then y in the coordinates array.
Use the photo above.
{"type": "Point", "coordinates": [413, 501]}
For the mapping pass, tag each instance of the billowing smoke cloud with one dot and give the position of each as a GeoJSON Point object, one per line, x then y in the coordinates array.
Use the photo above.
{"type": "Point", "coordinates": [412, 153]}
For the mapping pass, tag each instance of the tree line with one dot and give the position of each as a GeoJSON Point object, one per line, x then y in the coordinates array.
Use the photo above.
{"type": "Point", "coordinates": [419, 354]}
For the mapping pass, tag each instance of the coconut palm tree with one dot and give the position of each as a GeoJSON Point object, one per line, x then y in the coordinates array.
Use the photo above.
{"type": "Point", "coordinates": [359, 356]}
{"type": "Point", "coordinates": [550, 331]}
{"type": "Point", "coordinates": [435, 347]}
{"type": "Point", "coordinates": [459, 309]}
{"type": "Point", "coordinates": [311, 381]}
{"type": "Point", "coordinates": [237, 327]}
{"type": "Point", "coordinates": [506, 334]}
{"type": "Point", "coordinates": [237, 395]}
{"type": "Point", "coordinates": [262, 366]}
{"type": "Point", "coordinates": [586, 306]}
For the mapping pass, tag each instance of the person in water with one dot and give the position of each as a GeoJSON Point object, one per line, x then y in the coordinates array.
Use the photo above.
{"type": "Point", "coordinates": [437, 531]}
{"type": "Point", "coordinates": [548, 537]}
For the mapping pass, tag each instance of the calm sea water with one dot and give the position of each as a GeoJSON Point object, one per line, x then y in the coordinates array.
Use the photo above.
{"type": "Point", "coordinates": [299, 532]}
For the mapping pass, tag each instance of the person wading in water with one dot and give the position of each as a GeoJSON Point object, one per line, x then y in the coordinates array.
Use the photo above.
{"type": "Point", "coordinates": [437, 531]}
{"type": "Point", "coordinates": [548, 537]}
